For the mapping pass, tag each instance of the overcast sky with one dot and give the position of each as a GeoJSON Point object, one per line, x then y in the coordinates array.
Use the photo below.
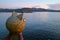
{"type": "Point", "coordinates": [22, 3]}
{"type": "Point", "coordinates": [29, 1]}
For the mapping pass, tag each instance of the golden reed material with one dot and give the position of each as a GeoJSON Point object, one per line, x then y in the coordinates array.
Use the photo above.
{"type": "Point", "coordinates": [15, 23]}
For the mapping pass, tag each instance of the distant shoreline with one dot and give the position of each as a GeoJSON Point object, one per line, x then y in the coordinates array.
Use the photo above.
{"type": "Point", "coordinates": [29, 10]}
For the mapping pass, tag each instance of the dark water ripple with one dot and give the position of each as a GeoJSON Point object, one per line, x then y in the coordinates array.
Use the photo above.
{"type": "Point", "coordinates": [41, 35]}
{"type": "Point", "coordinates": [39, 26]}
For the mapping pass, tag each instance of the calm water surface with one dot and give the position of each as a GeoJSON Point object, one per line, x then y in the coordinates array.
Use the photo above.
{"type": "Point", "coordinates": [39, 26]}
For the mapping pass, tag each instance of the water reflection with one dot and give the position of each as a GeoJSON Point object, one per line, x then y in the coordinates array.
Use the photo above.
{"type": "Point", "coordinates": [43, 16]}
{"type": "Point", "coordinates": [37, 17]}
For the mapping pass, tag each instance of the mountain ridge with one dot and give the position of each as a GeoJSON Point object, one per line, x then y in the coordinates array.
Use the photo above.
{"type": "Point", "coordinates": [26, 10]}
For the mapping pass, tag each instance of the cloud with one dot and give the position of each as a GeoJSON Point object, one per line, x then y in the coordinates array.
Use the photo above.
{"type": "Point", "coordinates": [23, 5]}
{"type": "Point", "coordinates": [45, 6]}
{"type": "Point", "coordinates": [54, 6]}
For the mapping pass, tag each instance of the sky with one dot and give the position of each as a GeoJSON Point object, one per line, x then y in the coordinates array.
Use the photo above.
{"type": "Point", "coordinates": [26, 3]}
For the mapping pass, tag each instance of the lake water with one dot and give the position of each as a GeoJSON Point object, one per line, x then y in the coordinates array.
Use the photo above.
{"type": "Point", "coordinates": [39, 25]}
